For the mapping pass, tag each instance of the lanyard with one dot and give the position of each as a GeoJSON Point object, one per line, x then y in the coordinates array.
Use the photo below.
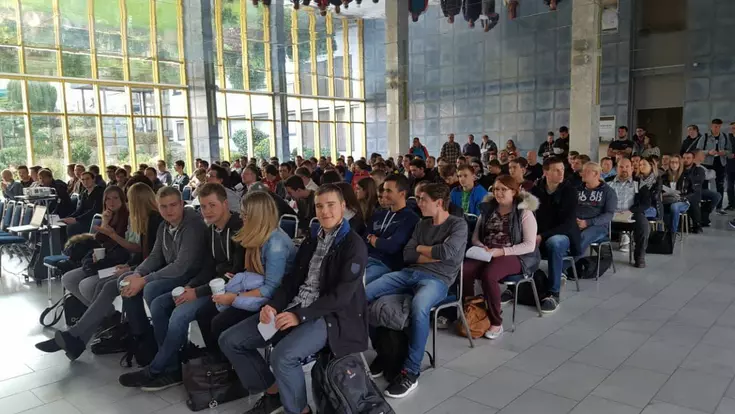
{"type": "Point", "coordinates": [385, 226]}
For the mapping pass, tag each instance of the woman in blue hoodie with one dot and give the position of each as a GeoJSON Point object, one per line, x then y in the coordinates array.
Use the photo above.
{"type": "Point", "coordinates": [268, 252]}
{"type": "Point", "coordinates": [469, 194]}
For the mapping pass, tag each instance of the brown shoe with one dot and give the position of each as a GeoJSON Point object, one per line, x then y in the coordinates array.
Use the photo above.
{"type": "Point", "coordinates": [512, 9]}
{"type": "Point", "coordinates": [640, 263]}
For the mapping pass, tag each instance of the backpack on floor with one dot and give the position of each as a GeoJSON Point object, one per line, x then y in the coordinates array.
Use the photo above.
{"type": "Point", "coordinates": [477, 319]}
{"type": "Point", "coordinates": [343, 386]}
{"type": "Point", "coordinates": [209, 383]}
{"type": "Point", "coordinates": [68, 306]}
{"type": "Point", "coordinates": [392, 348]}
{"type": "Point", "coordinates": [661, 242]}
{"type": "Point", "coordinates": [141, 348]}
{"type": "Point", "coordinates": [525, 292]}
{"type": "Point", "coordinates": [587, 266]}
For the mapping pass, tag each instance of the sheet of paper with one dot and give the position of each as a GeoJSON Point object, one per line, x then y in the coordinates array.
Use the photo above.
{"type": "Point", "coordinates": [268, 330]}
{"type": "Point", "coordinates": [478, 253]}
{"type": "Point", "coordinates": [105, 273]}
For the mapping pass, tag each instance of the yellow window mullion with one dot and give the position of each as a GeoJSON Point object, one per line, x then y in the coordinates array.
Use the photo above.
{"type": "Point", "coordinates": [244, 42]}
{"type": "Point", "coordinates": [346, 58]}
{"type": "Point", "coordinates": [267, 57]}
{"type": "Point", "coordinates": [96, 86]}
{"type": "Point", "coordinates": [330, 57]}
{"type": "Point", "coordinates": [66, 145]}
{"type": "Point", "coordinates": [361, 77]}
{"type": "Point", "coordinates": [184, 81]}
{"type": "Point", "coordinates": [295, 53]}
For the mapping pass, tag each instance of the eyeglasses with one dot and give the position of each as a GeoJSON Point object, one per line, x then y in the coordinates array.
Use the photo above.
{"type": "Point", "coordinates": [500, 190]}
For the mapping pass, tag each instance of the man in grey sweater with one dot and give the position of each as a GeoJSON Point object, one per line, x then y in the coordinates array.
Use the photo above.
{"type": "Point", "coordinates": [596, 203]}
{"type": "Point", "coordinates": [434, 256]}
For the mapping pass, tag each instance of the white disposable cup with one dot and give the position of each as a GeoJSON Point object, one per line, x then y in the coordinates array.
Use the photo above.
{"type": "Point", "coordinates": [178, 291]}
{"type": "Point", "coordinates": [99, 254]}
{"type": "Point", "coordinates": [217, 286]}
{"type": "Point", "coordinates": [124, 283]}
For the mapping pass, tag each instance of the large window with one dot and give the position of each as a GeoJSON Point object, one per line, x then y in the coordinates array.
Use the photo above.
{"type": "Point", "coordinates": [323, 89]}
{"type": "Point", "coordinates": [92, 82]}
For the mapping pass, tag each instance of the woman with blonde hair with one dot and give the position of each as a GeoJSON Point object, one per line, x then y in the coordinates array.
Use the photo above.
{"type": "Point", "coordinates": [266, 257]}
{"type": "Point", "coordinates": [676, 204]}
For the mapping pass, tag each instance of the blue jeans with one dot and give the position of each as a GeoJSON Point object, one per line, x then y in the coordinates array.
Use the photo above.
{"type": "Point", "coordinates": [556, 247]}
{"type": "Point", "coordinates": [427, 291]}
{"type": "Point", "coordinates": [133, 306]}
{"type": "Point", "coordinates": [676, 209]}
{"type": "Point", "coordinates": [240, 345]}
{"type": "Point", "coordinates": [714, 196]}
{"type": "Point", "coordinates": [592, 234]}
{"type": "Point", "coordinates": [651, 213]}
{"type": "Point", "coordinates": [171, 327]}
{"type": "Point", "coordinates": [374, 269]}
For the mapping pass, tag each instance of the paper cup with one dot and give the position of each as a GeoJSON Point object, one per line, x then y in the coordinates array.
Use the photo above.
{"type": "Point", "coordinates": [217, 286]}
{"type": "Point", "coordinates": [178, 291]}
{"type": "Point", "coordinates": [99, 254]}
{"type": "Point", "coordinates": [124, 283]}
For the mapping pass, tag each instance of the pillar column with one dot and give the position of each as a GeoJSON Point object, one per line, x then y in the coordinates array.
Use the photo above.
{"type": "Point", "coordinates": [396, 76]}
{"type": "Point", "coordinates": [280, 89]}
{"type": "Point", "coordinates": [585, 74]}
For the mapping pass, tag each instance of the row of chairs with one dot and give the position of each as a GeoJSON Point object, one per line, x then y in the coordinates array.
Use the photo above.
{"type": "Point", "coordinates": [15, 213]}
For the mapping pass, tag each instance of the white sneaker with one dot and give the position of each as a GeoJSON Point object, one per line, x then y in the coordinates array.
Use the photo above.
{"type": "Point", "coordinates": [494, 335]}
{"type": "Point", "coordinates": [442, 323]}
{"type": "Point", "coordinates": [625, 243]}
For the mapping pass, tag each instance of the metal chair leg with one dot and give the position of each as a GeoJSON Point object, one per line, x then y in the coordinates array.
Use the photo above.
{"type": "Point", "coordinates": [433, 339]}
{"type": "Point", "coordinates": [574, 272]}
{"type": "Point", "coordinates": [613, 257]}
{"type": "Point", "coordinates": [536, 298]}
{"type": "Point", "coordinates": [515, 303]}
{"type": "Point", "coordinates": [464, 322]}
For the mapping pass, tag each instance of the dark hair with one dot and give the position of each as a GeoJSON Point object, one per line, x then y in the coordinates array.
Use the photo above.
{"type": "Point", "coordinates": [623, 127]}
{"type": "Point", "coordinates": [121, 171]}
{"type": "Point", "coordinates": [494, 163]}
{"type": "Point", "coordinates": [303, 172]}
{"type": "Point", "coordinates": [466, 167]}
{"type": "Point", "coordinates": [151, 169]}
{"type": "Point", "coordinates": [652, 139]}
{"type": "Point", "coordinates": [418, 163]}
{"type": "Point", "coordinates": [138, 177]}
{"type": "Point", "coordinates": [437, 191]}
{"type": "Point", "coordinates": [330, 188]}
{"type": "Point", "coordinates": [522, 162]}
{"type": "Point", "coordinates": [95, 169]}
{"type": "Point", "coordinates": [89, 173]}
{"type": "Point", "coordinates": [362, 165]}
{"type": "Point", "coordinates": [180, 163]}
{"type": "Point", "coordinates": [574, 153]}
{"type": "Point", "coordinates": [46, 173]}
{"type": "Point", "coordinates": [511, 183]}
{"type": "Point", "coordinates": [287, 165]}
{"type": "Point", "coordinates": [109, 167]}
{"type": "Point", "coordinates": [271, 169]}
{"type": "Point", "coordinates": [717, 121]}
{"type": "Point", "coordinates": [253, 169]}
{"type": "Point", "coordinates": [22, 167]}
{"type": "Point", "coordinates": [585, 158]}
{"type": "Point", "coordinates": [401, 181]}
{"type": "Point", "coordinates": [448, 170]}
{"type": "Point", "coordinates": [221, 174]}
{"type": "Point", "coordinates": [203, 164]}
{"type": "Point", "coordinates": [550, 134]}
{"type": "Point", "coordinates": [564, 129]}
{"type": "Point", "coordinates": [350, 198]}
{"type": "Point", "coordinates": [295, 182]}
{"type": "Point", "coordinates": [331, 177]}
{"type": "Point", "coordinates": [140, 166]}
{"type": "Point", "coordinates": [120, 193]}
{"type": "Point", "coordinates": [213, 188]}
{"type": "Point", "coordinates": [605, 159]}
{"type": "Point", "coordinates": [551, 161]}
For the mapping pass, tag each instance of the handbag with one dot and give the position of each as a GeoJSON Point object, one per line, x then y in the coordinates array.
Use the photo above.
{"type": "Point", "coordinates": [661, 242]}
{"type": "Point", "coordinates": [209, 383]}
{"type": "Point", "coordinates": [477, 319]}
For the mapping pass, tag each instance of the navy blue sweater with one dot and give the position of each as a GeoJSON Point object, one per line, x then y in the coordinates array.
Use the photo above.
{"type": "Point", "coordinates": [393, 231]}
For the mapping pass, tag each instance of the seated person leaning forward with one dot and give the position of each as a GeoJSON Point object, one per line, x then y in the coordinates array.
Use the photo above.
{"type": "Point", "coordinates": [596, 203]}
{"type": "Point", "coordinates": [320, 303]}
{"type": "Point", "coordinates": [434, 255]}
{"type": "Point", "coordinates": [507, 229]}
{"type": "Point", "coordinates": [144, 222]}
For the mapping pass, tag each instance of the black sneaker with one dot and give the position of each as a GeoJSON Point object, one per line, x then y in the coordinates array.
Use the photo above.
{"type": "Point", "coordinates": [267, 404]}
{"type": "Point", "coordinates": [722, 212]}
{"type": "Point", "coordinates": [162, 381]}
{"type": "Point", "coordinates": [506, 297]}
{"type": "Point", "coordinates": [73, 346]}
{"type": "Point", "coordinates": [135, 379]}
{"type": "Point", "coordinates": [48, 346]}
{"type": "Point", "coordinates": [376, 367]}
{"type": "Point", "coordinates": [549, 304]}
{"type": "Point", "coordinates": [732, 223]}
{"type": "Point", "coordinates": [402, 385]}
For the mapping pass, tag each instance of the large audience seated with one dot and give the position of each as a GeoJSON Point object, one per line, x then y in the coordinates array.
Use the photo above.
{"type": "Point", "coordinates": [368, 229]}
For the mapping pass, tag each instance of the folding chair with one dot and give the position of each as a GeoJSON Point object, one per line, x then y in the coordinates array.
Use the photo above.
{"type": "Point", "coordinates": [452, 300]}
{"type": "Point", "coordinates": [314, 225]}
{"type": "Point", "coordinates": [186, 193]}
{"type": "Point", "coordinates": [290, 224]}
{"type": "Point", "coordinates": [515, 281]}
{"type": "Point", "coordinates": [607, 241]}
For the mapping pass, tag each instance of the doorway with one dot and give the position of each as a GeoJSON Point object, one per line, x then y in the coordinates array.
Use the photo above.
{"type": "Point", "coordinates": [664, 125]}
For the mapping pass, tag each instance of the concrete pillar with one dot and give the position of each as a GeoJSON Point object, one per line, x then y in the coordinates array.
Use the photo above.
{"type": "Point", "coordinates": [396, 75]}
{"type": "Point", "coordinates": [278, 64]}
{"type": "Point", "coordinates": [585, 106]}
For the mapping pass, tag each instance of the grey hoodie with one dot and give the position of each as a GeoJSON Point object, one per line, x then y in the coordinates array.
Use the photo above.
{"type": "Point", "coordinates": [177, 252]}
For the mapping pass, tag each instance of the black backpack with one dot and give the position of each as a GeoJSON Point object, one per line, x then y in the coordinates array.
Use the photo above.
{"type": "Point", "coordinates": [343, 385]}
{"type": "Point", "coordinates": [587, 266]}
{"type": "Point", "coordinates": [69, 306]}
{"type": "Point", "coordinates": [392, 349]}
{"type": "Point", "coordinates": [525, 291]}
{"type": "Point", "coordinates": [661, 242]}
{"type": "Point", "coordinates": [209, 383]}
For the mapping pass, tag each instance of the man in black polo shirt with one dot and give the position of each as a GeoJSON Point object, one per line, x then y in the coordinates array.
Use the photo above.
{"type": "Point", "coordinates": [622, 145]}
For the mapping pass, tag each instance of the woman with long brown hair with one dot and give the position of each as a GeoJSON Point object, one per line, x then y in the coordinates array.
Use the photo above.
{"type": "Point", "coordinates": [367, 196]}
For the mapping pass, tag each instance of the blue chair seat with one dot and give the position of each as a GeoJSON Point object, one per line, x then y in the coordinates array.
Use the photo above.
{"type": "Point", "coordinates": [54, 260]}
{"type": "Point", "coordinates": [512, 279]}
{"type": "Point", "coordinates": [11, 240]}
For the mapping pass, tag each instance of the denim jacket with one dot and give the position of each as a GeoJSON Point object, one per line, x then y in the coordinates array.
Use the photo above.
{"type": "Point", "coordinates": [277, 256]}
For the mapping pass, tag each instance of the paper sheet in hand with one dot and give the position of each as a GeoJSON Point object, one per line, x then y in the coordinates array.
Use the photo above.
{"type": "Point", "coordinates": [478, 253]}
{"type": "Point", "coordinates": [105, 273]}
{"type": "Point", "coordinates": [267, 330]}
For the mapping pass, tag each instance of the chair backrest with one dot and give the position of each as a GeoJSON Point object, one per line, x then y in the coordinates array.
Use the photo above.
{"type": "Point", "coordinates": [96, 221]}
{"type": "Point", "coordinates": [17, 215]}
{"type": "Point", "coordinates": [27, 214]}
{"type": "Point", "coordinates": [186, 193]}
{"type": "Point", "coordinates": [8, 214]}
{"type": "Point", "coordinates": [314, 225]}
{"type": "Point", "coordinates": [290, 224]}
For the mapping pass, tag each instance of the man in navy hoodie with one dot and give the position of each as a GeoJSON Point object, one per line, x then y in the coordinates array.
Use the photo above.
{"type": "Point", "coordinates": [389, 230]}
{"type": "Point", "coordinates": [596, 203]}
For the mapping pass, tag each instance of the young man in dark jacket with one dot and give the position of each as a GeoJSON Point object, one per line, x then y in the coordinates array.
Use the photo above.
{"type": "Point", "coordinates": [320, 303]}
{"type": "Point", "coordinates": [62, 207]}
{"type": "Point", "coordinates": [90, 203]}
{"type": "Point", "coordinates": [171, 316]}
{"type": "Point", "coordinates": [389, 230]}
{"type": "Point", "coordinates": [558, 233]}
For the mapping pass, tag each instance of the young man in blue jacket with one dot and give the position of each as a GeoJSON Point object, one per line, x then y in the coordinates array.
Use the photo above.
{"type": "Point", "coordinates": [469, 194]}
{"type": "Point", "coordinates": [389, 230]}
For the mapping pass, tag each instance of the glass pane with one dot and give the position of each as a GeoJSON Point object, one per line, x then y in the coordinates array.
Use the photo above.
{"type": "Point", "coordinates": [342, 130]}
{"type": "Point", "coordinates": [339, 88]}
{"type": "Point", "coordinates": [255, 29]}
{"type": "Point", "coordinates": [9, 59]}
{"type": "Point", "coordinates": [256, 66]}
{"type": "Point", "coordinates": [110, 68]}
{"type": "Point", "coordinates": [238, 105]}
{"type": "Point", "coordinates": [261, 105]}
{"type": "Point", "coordinates": [9, 33]}
{"type": "Point", "coordinates": [173, 102]}
{"type": "Point", "coordinates": [239, 137]}
{"type": "Point", "coordinates": [41, 62]}
{"type": "Point", "coordinates": [48, 149]}
{"type": "Point", "coordinates": [141, 70]}
{"type": "Point", "coordinates": [261, 139]}
{"type": "Point", "coordinates": [322, 86]}
{"type": "Point", "coordinates": [115, 133]}
{"type": "Point", "coordinates": [83, 140]}
{"type": "Point", "coordinates": [294, 132]}
{"type": "Point", "coordinates": [107, 36]}
{"type": "Point", "coordinates": [74, 25]}
{"type": "Point", "coordinates": [358, 138]}
{"type": "Point", "coordinates": [169, 73]}
{"type": "Point", "coordinates": [167, 30]}
{"type": "Point", "coordinates": [307, 109]}
{"type": "Point", "coordinates": [44, 96]}
{"type": "Point", "coordinates": [146, 141]}
{"type": "Point", "coordinates": [76, 65]}
{"type": "Point", "coordinates": [233, 70]}
{"type": "Point", "coordinates": [221, 140]}
{"type": "Point", "coordinates": [114, 101]}
{"type": "Point", "coordinates": [358, 113]}
{"type": "Point", "coordinates": [144, 102]}
{"type": "Point", "coordinates": [293, 107]}
{"type": "Point", "coordinates": [37, 19]}
{"type": "Point", "coordinates": [232, 44]}
{"type": "Point", "coordinates": [13, 145]}
{"type": "Point", "coordinates": [13, 99]}
{"type": "Point", "coordinates": [356, 89]}
{"type": "Point", "coordinates": [307, 134]}
{"type": "Point", "coordinates": [174, 132]}
{"type": "Point", "coordinates": [324, 142]}
{"type": "Point", "coordinates": [80, 99]}
{"type": "Point", "coordinates": [221, 104]}
{"type": "Point", "coordinates": [354, 51]}
{"type": "Point", "coordinates": [139, 31]}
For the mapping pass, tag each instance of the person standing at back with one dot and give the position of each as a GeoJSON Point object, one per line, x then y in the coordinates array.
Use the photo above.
{"type": "Point", "coordinates": [471, 149]}
{"type": "Point", "coordinates": [450, 150]}
{"type": "Point", "coordinates": [488, 147]}
{"type": "Point", "coordinates": [418, 149]}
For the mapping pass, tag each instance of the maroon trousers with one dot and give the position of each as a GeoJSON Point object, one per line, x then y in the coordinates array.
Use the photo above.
{"type": "Point", "coordinates": [489, 275]}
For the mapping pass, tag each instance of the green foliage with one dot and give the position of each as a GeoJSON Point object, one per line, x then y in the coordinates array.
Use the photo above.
{"type": "Point", "coordinates": [81, 152]}
{"type": "Point", "coordinates": [261, 143]}
{"type": "Point", "coordinates": [309, 152]}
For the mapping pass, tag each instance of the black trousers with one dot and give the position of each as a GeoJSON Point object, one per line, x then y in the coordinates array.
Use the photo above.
{"type": "Point", "coordinates": [730, 186]}
{"type": "Point", "coordinates": [213, 322]}
{"type": "Point", "coordinates": [720, 174]}
{"type": "Point", "coordinates": [641, 229]}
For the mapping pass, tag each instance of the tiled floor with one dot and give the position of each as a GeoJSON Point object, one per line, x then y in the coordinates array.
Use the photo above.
{"type": "Point", "coordinates": [653, 341]}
